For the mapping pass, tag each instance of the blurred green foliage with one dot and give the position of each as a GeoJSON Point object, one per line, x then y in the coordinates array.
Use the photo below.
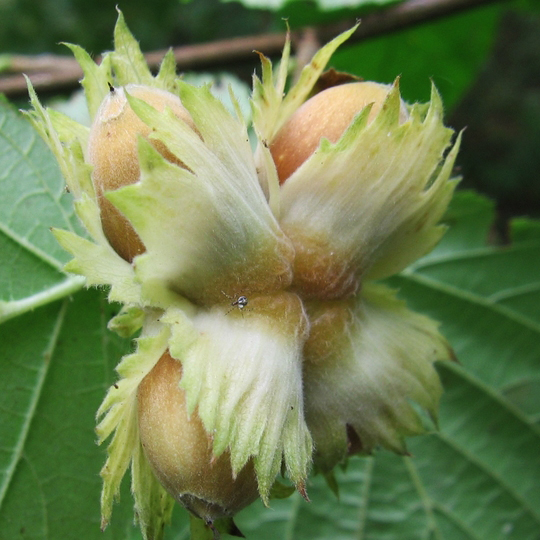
{"type": "Point", "coordinates": [37, 27]}
{"type": "Point", "coordinates": [449, 51]}
{"type": "Point", "coordinates": [486, 65]}
{"type": "Point", "coordinates": [501, 110]}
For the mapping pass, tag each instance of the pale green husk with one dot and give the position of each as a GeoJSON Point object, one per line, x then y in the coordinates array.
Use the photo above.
{"type": "Point", "coordinates": [220, 232]}
{"type": "Point", "coordinates": [380, 363]}
{"type": "Point", "coordinates": [119, 412]}
{"type": "Point", "coordinates": [261, 414]}
{"type": "Point", "coordinates": [375, 197]}
{"type": "Point", "coordinates": [271, 107]}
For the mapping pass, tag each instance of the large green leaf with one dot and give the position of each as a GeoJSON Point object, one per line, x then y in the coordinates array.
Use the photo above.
{"type": "Point", "coordinates": [475, 479]}
{"type": "Point", "coordinates": [56, 363]}
{"type": "Point", "coordinates": [33, 200]}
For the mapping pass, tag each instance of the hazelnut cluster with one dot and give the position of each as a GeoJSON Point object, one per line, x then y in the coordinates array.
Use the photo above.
{"type": "Point", "coordinates": [249, 270]}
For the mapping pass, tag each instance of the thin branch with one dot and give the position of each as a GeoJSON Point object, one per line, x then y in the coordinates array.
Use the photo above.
{"type": "Point", "coordinates": [53, 72]}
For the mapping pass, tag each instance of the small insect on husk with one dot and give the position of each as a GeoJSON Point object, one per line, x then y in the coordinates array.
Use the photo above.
{"type": "Point", "coordinates": [239, 302]}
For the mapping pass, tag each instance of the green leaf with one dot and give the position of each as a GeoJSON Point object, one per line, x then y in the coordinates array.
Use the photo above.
{"type": "Point", "coordinates": [33, 200]}
{"type": "Point", "coordinates": [56, 365]}
{"type": "Point", "coordinates": [485, 297]}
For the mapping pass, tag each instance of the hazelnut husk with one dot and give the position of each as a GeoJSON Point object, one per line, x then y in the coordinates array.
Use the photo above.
{"type": "Point", "coordinates": [327, 114]}
{"type": "Point", "coordinates": [112, 151]}
{"type": "Point", "coordinates": [179, 449]}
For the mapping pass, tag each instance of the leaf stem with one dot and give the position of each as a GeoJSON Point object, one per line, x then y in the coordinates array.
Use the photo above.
{"type": "Point", "coordinates": [292, 521]}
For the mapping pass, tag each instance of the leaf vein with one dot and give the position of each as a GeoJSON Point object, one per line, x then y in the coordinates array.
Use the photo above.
{"type": "Point", "coordinates": [472, 298]}
{"type": "Point", "coordinates": [31, 248]}
{"type": "Point", "coordinates": [13, 308]}
{"type": "Point", "coordinates": [427, 503]}
{"type": "Point", "coordinates": [503, 486]}
{"type": "Point", "coordinates": [451, 516]}
{"type": "Point", "coordinates": [18, 452]}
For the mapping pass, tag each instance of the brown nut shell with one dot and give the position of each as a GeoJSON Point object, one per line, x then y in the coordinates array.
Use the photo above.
{"type": "Point", "coordinates": [180, 451]}
{"type": "Point", "coordinates": [327, 114]}
{"type": "Point", "coordinates": [112, 151]}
